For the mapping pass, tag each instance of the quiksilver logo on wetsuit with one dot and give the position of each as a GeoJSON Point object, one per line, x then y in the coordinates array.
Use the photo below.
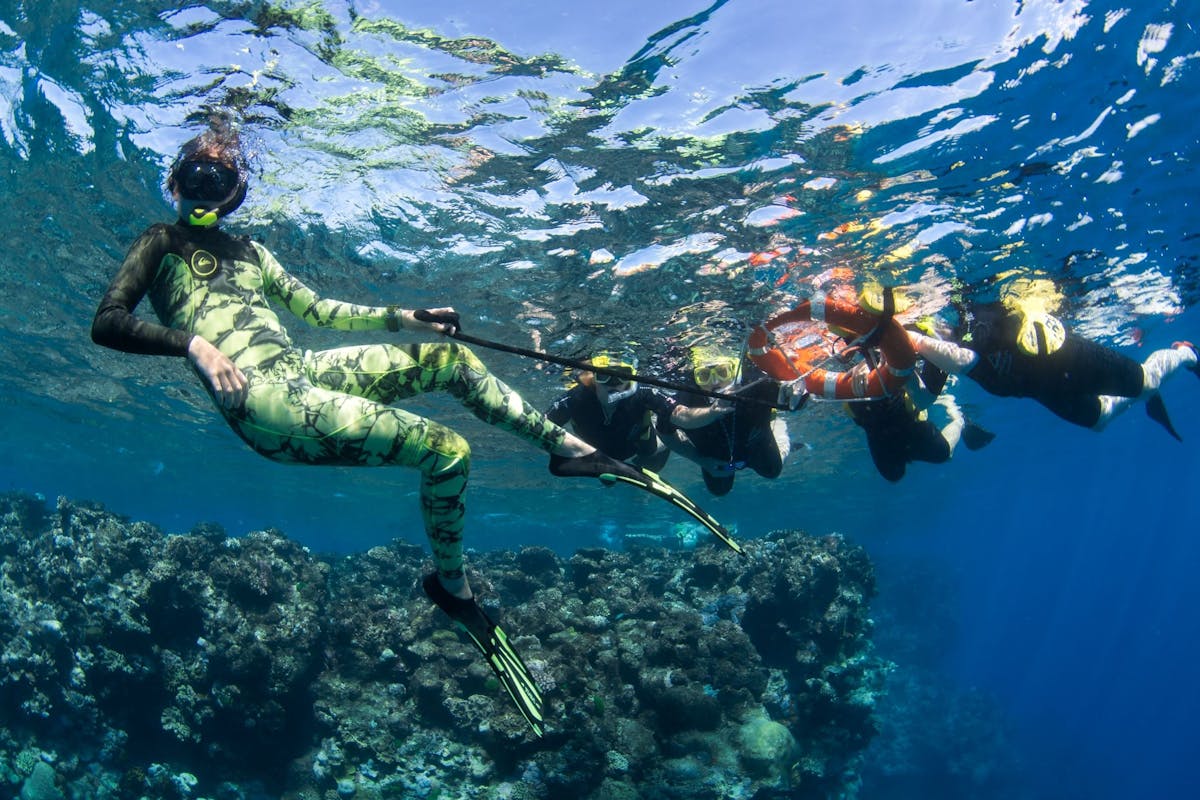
{"type": "Point", "coordinates": [203, 264]}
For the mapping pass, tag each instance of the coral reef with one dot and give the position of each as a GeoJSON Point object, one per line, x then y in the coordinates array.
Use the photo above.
{"type": "Point", "coordinates": [199, 665]}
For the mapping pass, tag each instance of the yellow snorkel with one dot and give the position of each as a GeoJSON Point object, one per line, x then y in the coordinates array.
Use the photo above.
{"type": "Point", "coordinates": [871, 298]}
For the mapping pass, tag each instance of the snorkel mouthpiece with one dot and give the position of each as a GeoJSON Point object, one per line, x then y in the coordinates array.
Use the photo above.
{"type": "Point", "coordinates": [202, 217]}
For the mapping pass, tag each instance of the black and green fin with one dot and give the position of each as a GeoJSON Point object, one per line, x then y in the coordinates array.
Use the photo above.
{"type": "Point", "coordinates": [655, 485]}
{"type": "Point", "coordinates": [491, 640]}
{"type": "Point", "coordinates": [609, 470]}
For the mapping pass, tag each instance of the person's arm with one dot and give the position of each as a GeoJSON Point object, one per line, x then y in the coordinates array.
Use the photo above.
{"type": "Point", "coordinates": [560, 412]}
{"type": "Point", "coordinates": [673, 411]}
{"type": "Point", "coordinates": [665, 406]}
{"type": "Point", "coordinates": [692, 417]}
{"type": "Point", "coordinates": [326, 313]}
{"type": "Point", "coordinates": [678, 441]}
{"type": "Point", "coordinates": [947, 356]}
{"type": "Point", "coordinates": [116, 326]}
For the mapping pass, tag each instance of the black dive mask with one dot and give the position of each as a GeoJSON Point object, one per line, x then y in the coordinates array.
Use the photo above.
{"type": "Point", "coordinates": [207, 190]}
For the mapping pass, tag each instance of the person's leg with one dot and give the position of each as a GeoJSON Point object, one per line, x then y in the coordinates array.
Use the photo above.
{"type": "Point", "coordinates": [924, 442]}
{"type": "Point", "coordinates": [888, 452]}
{"type": "Point", "coordinates": [783, 439]}
{"type": "Point", "coordinates": [388, 373]}
{"type": "Point", "coordinates": [764, 450]}
{"type": "Point", "coordinates": [717, 485]}
{"type": "Point", "coordinates": [952, 428]}
{"type": "Point", "coordinates": [290, 420]}
{"type": "Point", "coordinates": [886, 423]}
{"type": "Point", "coordinates": [1156, 369]}
{"type": "Point", "coordinates": [652, 453]}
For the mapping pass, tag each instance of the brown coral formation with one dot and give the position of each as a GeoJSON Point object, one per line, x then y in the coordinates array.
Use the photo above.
{"type": "Point", "coordinates": [202, 663]}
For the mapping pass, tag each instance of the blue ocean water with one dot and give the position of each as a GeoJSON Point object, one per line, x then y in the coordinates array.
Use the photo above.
{"type": "Point", "coordinates": [646, 173]}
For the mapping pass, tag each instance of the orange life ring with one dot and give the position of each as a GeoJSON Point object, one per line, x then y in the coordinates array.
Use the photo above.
{"type": "Point", "coordinates": [886, 379]}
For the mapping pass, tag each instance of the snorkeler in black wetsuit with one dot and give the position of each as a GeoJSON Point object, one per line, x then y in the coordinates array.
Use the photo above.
{"type": "Point", "coordinates": [615, 415]}
{"type": "Point", "coordinates": [899, 430]}
{"type": "Point", "coordinates": [1012, 353]}
{"type": "Point", "coordinates": [723, 437]}
{"type": "Point", "coordinates": [898, 435]}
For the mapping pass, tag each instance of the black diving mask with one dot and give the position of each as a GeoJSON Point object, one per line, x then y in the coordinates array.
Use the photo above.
{"type": "Point", "coordinates": [206, 181]}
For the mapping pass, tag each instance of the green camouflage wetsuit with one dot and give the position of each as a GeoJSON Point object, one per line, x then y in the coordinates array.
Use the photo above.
{"type": "Point", "coordinates": [328, 407]}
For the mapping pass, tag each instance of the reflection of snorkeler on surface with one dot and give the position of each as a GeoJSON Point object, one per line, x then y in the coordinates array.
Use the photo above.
{"type": "Point", "coordinates": [724, 437]}
{"type": "Point", "coordinates": [615, 414]}
{"type": "Point", "coordinates": [1017, 348]}
{"type": "Point", "coordinates": [210, 291]}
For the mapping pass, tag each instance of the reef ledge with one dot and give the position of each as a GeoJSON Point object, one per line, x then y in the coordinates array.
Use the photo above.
{"type": "Point", "coordinates": [141, 664]}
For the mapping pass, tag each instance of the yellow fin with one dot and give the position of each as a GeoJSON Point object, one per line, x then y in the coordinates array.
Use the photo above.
{"type": "Point", "coordinates": [1041, 333]}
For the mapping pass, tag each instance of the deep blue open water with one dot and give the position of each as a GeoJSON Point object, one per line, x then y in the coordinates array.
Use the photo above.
{"type": "Point", "coordinates": [600, 173]}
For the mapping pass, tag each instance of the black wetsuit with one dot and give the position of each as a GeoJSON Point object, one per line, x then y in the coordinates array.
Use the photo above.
{"type": "Point", "coordinates": [621, 430]}
{"type": "Point", "coordinates": [897, 433]}
{"type": "Point", "coordinates": [1067, 381]}
{"type": "Point", "coordinates": [743, 438]}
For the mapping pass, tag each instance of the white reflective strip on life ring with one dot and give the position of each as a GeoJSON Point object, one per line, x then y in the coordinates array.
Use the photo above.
{"type": "Point", "coordinates": [830, 384]}
{"type": "Point", "coordinates": [860, 380]}
{"type": "Point", "coordinates": [816, 307]}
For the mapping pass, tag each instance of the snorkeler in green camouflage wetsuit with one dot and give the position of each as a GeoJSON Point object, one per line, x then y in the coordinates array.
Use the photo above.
{"type": "Point", "coordinates": [328, 407]}
{"type": "Point", "coordinates": [211, 291]}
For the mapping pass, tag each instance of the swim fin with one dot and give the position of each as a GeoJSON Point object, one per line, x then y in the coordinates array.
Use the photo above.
{"type": "Point", "coordinates": [609, 470]}
{"type": "Point", "coordinates": [1156, 409]}
{"type": "Point", "coordinates": [492, 641]}
{"type": "Point", "coordinates": [976, 437]}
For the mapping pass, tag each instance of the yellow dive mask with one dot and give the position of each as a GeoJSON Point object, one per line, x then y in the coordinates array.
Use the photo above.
{"type": "Point", "coordinates": [871, 298]}
{"type": "Point", "coordinates": [716, 372]}
{"type": "Point", "coordinates": [606, 360]}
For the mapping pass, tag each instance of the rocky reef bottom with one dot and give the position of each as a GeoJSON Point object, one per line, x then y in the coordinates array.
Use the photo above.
{"type": "Point", "coordinates": [137, 664]}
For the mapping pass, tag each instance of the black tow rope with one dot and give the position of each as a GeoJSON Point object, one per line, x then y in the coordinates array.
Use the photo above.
{"type": "Point", "coordinates": [625, 374]}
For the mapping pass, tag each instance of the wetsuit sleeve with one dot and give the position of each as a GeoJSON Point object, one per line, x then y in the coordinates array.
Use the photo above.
{"type": "Point", "coordinates": [664, 406]}
{"type": "Point", "coordinates": [115, 325]}
{"type": "Point", "coordinates": [560, 412]}
{"type": "Point", "coordinates": [311, 307]}
{"type": "Point", "coordinates": [658, 402]}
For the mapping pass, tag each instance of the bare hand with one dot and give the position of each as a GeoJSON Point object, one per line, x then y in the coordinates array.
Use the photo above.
{"type": "Point", "coordinates": [722, 406]}
{"type": "Point", "coordinates": [227, 382]}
